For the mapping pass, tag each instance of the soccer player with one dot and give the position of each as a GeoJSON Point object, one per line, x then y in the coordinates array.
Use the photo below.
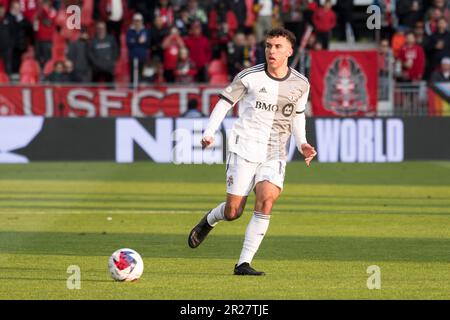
{"type": "Point", "coordinates": [272, 104]}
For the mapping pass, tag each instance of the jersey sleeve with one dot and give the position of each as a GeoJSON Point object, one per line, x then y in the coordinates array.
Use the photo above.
{"type": "Point", "coordinates": [234, 92]}
{"type": "Point", "coordinates": [301, 103]}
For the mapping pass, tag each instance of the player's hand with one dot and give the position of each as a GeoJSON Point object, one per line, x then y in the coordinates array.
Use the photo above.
{"type": "Point", "coordinates": [308, 152]}
{"type": "Point", "coordinates": [207, 141]}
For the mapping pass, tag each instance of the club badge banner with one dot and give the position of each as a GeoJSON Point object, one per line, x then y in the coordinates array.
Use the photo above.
{"type": "Point", "coordinates": [344, 83]}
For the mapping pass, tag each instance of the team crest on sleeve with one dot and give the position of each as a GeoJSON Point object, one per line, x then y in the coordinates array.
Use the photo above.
{"type": "Point", "coordinates": [228, 89]}
{"type": "Point", "coordinates": [294, 95]}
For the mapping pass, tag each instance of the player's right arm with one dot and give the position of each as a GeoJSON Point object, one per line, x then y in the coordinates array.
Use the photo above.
{"type": "Point", "coordinates": [228, 98]}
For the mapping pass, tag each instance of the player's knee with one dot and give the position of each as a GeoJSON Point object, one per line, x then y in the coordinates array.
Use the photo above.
{"type": "Point", "coordinates": [264, 205]}
{"type": "Point", "coordinates": [233, 213]}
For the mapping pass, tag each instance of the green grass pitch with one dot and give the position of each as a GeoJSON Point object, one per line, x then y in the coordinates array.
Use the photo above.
{"type": "Point", "coordinates": [330, 224]}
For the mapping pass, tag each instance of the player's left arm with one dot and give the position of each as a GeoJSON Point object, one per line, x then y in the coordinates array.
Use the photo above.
{"type": "Point", "coordinates": [299, 130]}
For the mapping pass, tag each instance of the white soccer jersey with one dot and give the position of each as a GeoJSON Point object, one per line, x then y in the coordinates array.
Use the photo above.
{"type": "Point", "coordinates": [266, 110]}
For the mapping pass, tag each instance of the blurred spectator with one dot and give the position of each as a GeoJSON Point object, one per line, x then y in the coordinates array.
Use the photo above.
{"type": "Point", "coordinates": [5, 4]}
{"type": "Point", "coordinates": [240, 10]}
{"type": "Point", "coordinates": [263, 10]}
{"type": "Point", "coordinates": [385, 64]}
{"type": "Point", "coordinates": [165, 10]}
{"type": "Point", "coordinates": [138, 42]}
{"type": "Point", "coordinates": [6, 39]}
{"type": "Point", "coordinates": [384, 57]}
{"type": "Point", "coordinates": [324, 20]}
{"type": "Point", "coordinates": [398, 40]}
{"type": "Point", "coordinates": [20, 26]}
{"type": "Point", "coordinates": [409, 12]}
{"type": "Point", "coordinates": [196, 13]}
{"type": "Point", "coordinates": [200, 50]}
{"type": "Point", "coordinates": [222, 25]}
{"type": "Point", "coordinates": [344, 11]}
{"type": "Point", "coordinates": [185, 71]}
{"type": "Point", "coordinates": [29, 9]}
{"type": "Point", "coordinates": [44, 26]}
{"type": "Point", "coordinates": [442, 75]}
{"type": "Point", "coordinates": [255, 50]}
{"type": "Point", "coordinates": [153, 72]}
{"type": "Point", "coordinates": [389, 19]}
{"type": "Point", "coordinates": [431, 22]}
{"type": "Point", "coordinates": [192, 111]}
{"type": "Point", "coordinates": [113, 13]}
{"type": "Point", "coordinates": [70, 72]}
{"type": "Point", "coordinates": [310, 42]}
{"type": "Point", "coordinates": [292, 15]}
{"type": "Point", "coordinates": [159, 33]}
{"type": "Point", "coordinates": [236, 54]}
{"type": "Point", "coordinates": [103, 54]}
{"type": "Point", "coordinates": [438, 46]}
{"type": "Point", "coordinates": [419, 32]}
{"type": "Point", "coordinates": [317, 46]}
{"type": "Point", "coordinates": [57, 3]}
{"type": "Point", "coordinates": [145, 7]}
{"type": "Point", "coordinates": [78, 52]}
{"type": "Point", "coordinates": [58, 75]}
{"type": "Point", "coordinates": [442, 6]}
{"type": "Point", "coordinates": [183, 21]}
{"type": "Point", "coordinates": [172, 45]}
{"type": "Point", "coordinates": [412, 59]}
{"type": "Point", "coordinates": [177, 4]}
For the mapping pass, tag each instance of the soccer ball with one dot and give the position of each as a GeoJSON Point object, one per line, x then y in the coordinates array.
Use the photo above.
{"type": "Point", "coordinates": [125, 265]}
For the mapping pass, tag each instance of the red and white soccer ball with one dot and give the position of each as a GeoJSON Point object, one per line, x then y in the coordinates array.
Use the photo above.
{"type": "Point", "coordinates": [125, 265]}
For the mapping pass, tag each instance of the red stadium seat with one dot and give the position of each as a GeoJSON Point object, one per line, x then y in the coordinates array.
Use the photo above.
{"type": "Point", "coordinates": [28, 79]}
{"type": "Point", "coordinates": [4, 79]}
{"type": "Point", "coordinates": [221, 78]}
{"type": "Point", "coordinates": [29, 71]}
{"type": "Point", "coordinates": [29, 54]}
{"type": "Point", "coordinates": [217, 67]}
{"type": "Point", "coordinates": [122, 73]}
{"type": "Point", "coordinates": [48, 67]}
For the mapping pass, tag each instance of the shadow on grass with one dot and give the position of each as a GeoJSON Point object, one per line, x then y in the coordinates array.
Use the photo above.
{"type": "Point", "coordinates": [219, 246]}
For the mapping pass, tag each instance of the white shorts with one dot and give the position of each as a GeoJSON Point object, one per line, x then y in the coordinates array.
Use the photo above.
{"type": "Point", "coordinates": [243, 175]}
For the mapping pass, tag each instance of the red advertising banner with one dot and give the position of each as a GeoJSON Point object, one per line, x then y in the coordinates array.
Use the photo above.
{"type": "Point", "coordinates": [94, 101]}
{"type": "Point", "coordinates": [344, 83]}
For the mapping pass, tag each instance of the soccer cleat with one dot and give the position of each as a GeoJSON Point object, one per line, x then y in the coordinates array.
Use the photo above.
{"type": "Point", "coordinates": [199, 233]}
{"type": "Point", "coordinates": [244, 269]}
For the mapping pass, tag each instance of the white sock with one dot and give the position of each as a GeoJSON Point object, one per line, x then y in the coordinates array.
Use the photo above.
{"type": "Point", "coordinates": [254, 234]}
{"type": "Point", "coordinates": [217, 214]}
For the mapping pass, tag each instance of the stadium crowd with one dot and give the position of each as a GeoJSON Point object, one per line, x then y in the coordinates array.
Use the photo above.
{"type": "Point", "coordinates": [202, 41]}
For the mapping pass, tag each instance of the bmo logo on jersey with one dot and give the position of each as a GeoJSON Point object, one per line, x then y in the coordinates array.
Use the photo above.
{"type": "Point", "coordinates": [286, 110]}
{"type": "Point", "coordinates": [360, 140]}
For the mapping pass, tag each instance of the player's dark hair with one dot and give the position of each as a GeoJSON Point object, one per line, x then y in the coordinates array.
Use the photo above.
{"type": "Point", "coordinates": [281, 32]}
